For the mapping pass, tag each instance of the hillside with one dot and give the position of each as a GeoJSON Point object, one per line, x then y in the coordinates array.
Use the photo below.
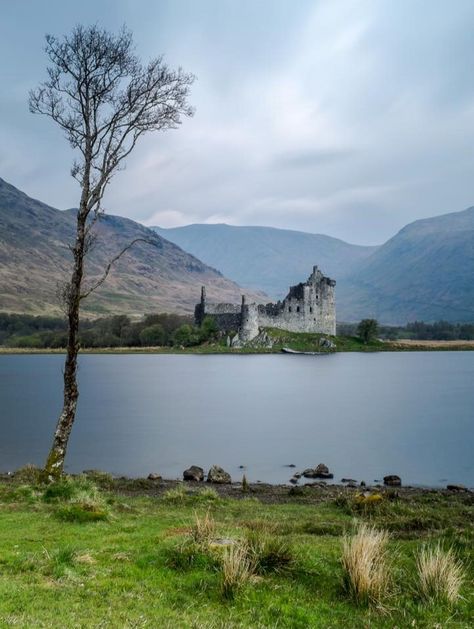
{"type": "Point", "coordinates": [424, 272]}
{"type": "Point", "coordinates": [266, 258]}
{"type": "Point", "coordinates": [34, 257]}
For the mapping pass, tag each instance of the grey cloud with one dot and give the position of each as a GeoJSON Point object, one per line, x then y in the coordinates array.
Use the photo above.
{"type": "Point", "coordinates": [310, 159]}
{"type": "Point", "coordinates": [346, 117]}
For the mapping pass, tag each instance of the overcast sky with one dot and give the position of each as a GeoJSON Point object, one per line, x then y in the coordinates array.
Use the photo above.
{"type": "Point", "coordinates": [343, 117]}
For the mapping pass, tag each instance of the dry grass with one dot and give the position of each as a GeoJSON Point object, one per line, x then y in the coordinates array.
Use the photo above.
{"type": "Point", "coordinates": [237, 570]}
{"type": "Point", "coordinates": [366, 566]}
{"type": "Point", "coordinates": [440, 574]}
{"type": "Point", "coordinates": [204, 528]}
{"type": "Point", "coordinates": [432, 343]}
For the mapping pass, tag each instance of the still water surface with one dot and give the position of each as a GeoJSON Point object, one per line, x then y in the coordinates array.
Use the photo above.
{"type": "Point", "coordinates": [364, 415]}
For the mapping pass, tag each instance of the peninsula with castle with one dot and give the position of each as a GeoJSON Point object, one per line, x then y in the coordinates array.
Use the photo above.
{"type": "Point", "coordinates": [308, 307]}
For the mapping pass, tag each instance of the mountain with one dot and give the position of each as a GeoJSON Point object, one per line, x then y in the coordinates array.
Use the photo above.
{"type": "Point", "coordinates": [157, 277]}
{"type": "Point", "coordinates": [266, 258]}
{"type": "Point", "coordinates": [424, 272]}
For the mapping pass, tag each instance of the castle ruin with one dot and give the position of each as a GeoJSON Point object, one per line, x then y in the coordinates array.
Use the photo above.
{"type": "Point", "coordinates": [308, 307]}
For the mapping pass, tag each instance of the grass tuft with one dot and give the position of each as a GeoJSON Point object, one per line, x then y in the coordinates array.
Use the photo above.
{"type": "Point", "coordinates": [204, 528]}
{"type": "Point", "coordinates": [60, 561]}
{"type": "Point", "coordinates": [440, 575]}
{"type": "Point", "coordinates": [77, 500]}
{"type": "Point", "coordinates": [236, 570]}
{"type": "Point", "coordinates": [268, 552]}
{"type": "Point", "coordinates": [177, 495]}
{"type": "Point", "coordinates": [28, 474]}
{"type": "Point", "coordinates": [365, 565]}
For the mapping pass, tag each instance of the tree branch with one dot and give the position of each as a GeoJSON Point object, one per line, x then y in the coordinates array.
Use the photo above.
{"type": "Point", "coordinates": [101, 280]}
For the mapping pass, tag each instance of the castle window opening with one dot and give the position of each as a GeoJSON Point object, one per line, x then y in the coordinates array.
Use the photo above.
{"type": "Point", "coordinates": [297, 308]}
{"type": "Point", "coordinates": [311, 309]}
{"type": "Point", "coordinates": [289, 308]}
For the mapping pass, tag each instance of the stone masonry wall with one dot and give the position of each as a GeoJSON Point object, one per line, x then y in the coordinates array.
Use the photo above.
{"type": "Point", "coordinates": [308, 307]}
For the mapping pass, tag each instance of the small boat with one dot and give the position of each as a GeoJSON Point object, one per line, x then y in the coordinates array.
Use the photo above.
{"type": "Point", "coordinates": [287, 350]}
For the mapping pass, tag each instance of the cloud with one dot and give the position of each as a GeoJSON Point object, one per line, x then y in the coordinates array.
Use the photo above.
{"type": "Point", "coordinates": [346, 117]}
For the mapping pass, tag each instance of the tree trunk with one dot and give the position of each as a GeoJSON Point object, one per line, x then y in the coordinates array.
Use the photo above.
{"type": "Point", "coordinates": [55, 461]}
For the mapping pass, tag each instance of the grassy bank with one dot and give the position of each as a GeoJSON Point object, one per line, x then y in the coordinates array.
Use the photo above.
{"type": "Point", "coordinates": [303, 342]}
{"type": "Point", "coordinates": [129, 555]}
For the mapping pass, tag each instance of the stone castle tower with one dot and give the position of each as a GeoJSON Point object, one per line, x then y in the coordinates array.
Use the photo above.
{"type": "Point", "coordinates": [309, 307]}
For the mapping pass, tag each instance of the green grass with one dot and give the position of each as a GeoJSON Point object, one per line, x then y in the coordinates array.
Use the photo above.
{"type": "Point", "coordinates": [300, 341]}
{"type": "Point", "coordinates": [142, 565]}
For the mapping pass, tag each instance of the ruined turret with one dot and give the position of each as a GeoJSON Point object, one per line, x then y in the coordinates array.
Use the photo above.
{"type": "Point", "coordinates": [200, 308]}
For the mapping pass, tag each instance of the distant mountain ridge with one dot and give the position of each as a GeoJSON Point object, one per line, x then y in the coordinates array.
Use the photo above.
{"type": "Point", "coordinates": [425, 272]}
{"type": "Point", "coordinates": [157, 277]}
{"type": "Point", "coordinates": [266, 258]}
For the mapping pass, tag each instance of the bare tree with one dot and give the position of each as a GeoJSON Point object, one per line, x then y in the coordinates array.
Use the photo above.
{"type": "Point", "coordinates": [104, 99]}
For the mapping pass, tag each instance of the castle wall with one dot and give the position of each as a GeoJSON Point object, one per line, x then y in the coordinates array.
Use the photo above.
{"type": "Point", "coordinates": [227, 316]}
{"type": "Point", "coordinates": [308, 307]}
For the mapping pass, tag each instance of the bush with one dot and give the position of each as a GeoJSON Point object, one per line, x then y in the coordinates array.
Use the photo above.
{"type": "Point", "coordinates": [186, 336]}
{"type": "Point", "coordinates": [365, 565]}
{"type": "Point", "coordinates": [440, 575]}
{"type": "Point", "coordinates": [367, 330]}
{"type": "Point", "coordinates": [153, 335]}
{"type": "Point", "coordinates": [208, 329]}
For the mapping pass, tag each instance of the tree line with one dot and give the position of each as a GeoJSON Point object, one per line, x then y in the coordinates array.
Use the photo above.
{"type": "Point", "coordinates": [153, 330]}
{"type": "Point", "coordinates": [172, 330]}
{"type": "Point", "coordinates": [417, 330]}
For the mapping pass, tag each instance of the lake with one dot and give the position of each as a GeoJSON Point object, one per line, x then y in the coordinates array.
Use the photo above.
{"type": "Point", "coordinates": [364, 415]}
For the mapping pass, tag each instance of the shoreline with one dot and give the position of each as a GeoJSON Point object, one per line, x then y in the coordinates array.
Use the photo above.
{"type": "Point", "coordinates": [270, 493]}
{"type": "Point", "coordinates": [403, 345]}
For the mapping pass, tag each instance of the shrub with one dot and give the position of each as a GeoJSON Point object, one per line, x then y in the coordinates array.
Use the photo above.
{"type": "Point", "coordinates": [365, 565]}
{"type": "Point", "coordinates": [440, 575]}
{"type": "Point", "coordinates": [153, 335]}
{"type": "Point", "coordinates": [268, 553]}
{"type": "Point", "coordinates": [186, 335]}
{"type": "Point", "coordinates": [208, 329]}
{"type": "Point", "coordinates": [236, 570]}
